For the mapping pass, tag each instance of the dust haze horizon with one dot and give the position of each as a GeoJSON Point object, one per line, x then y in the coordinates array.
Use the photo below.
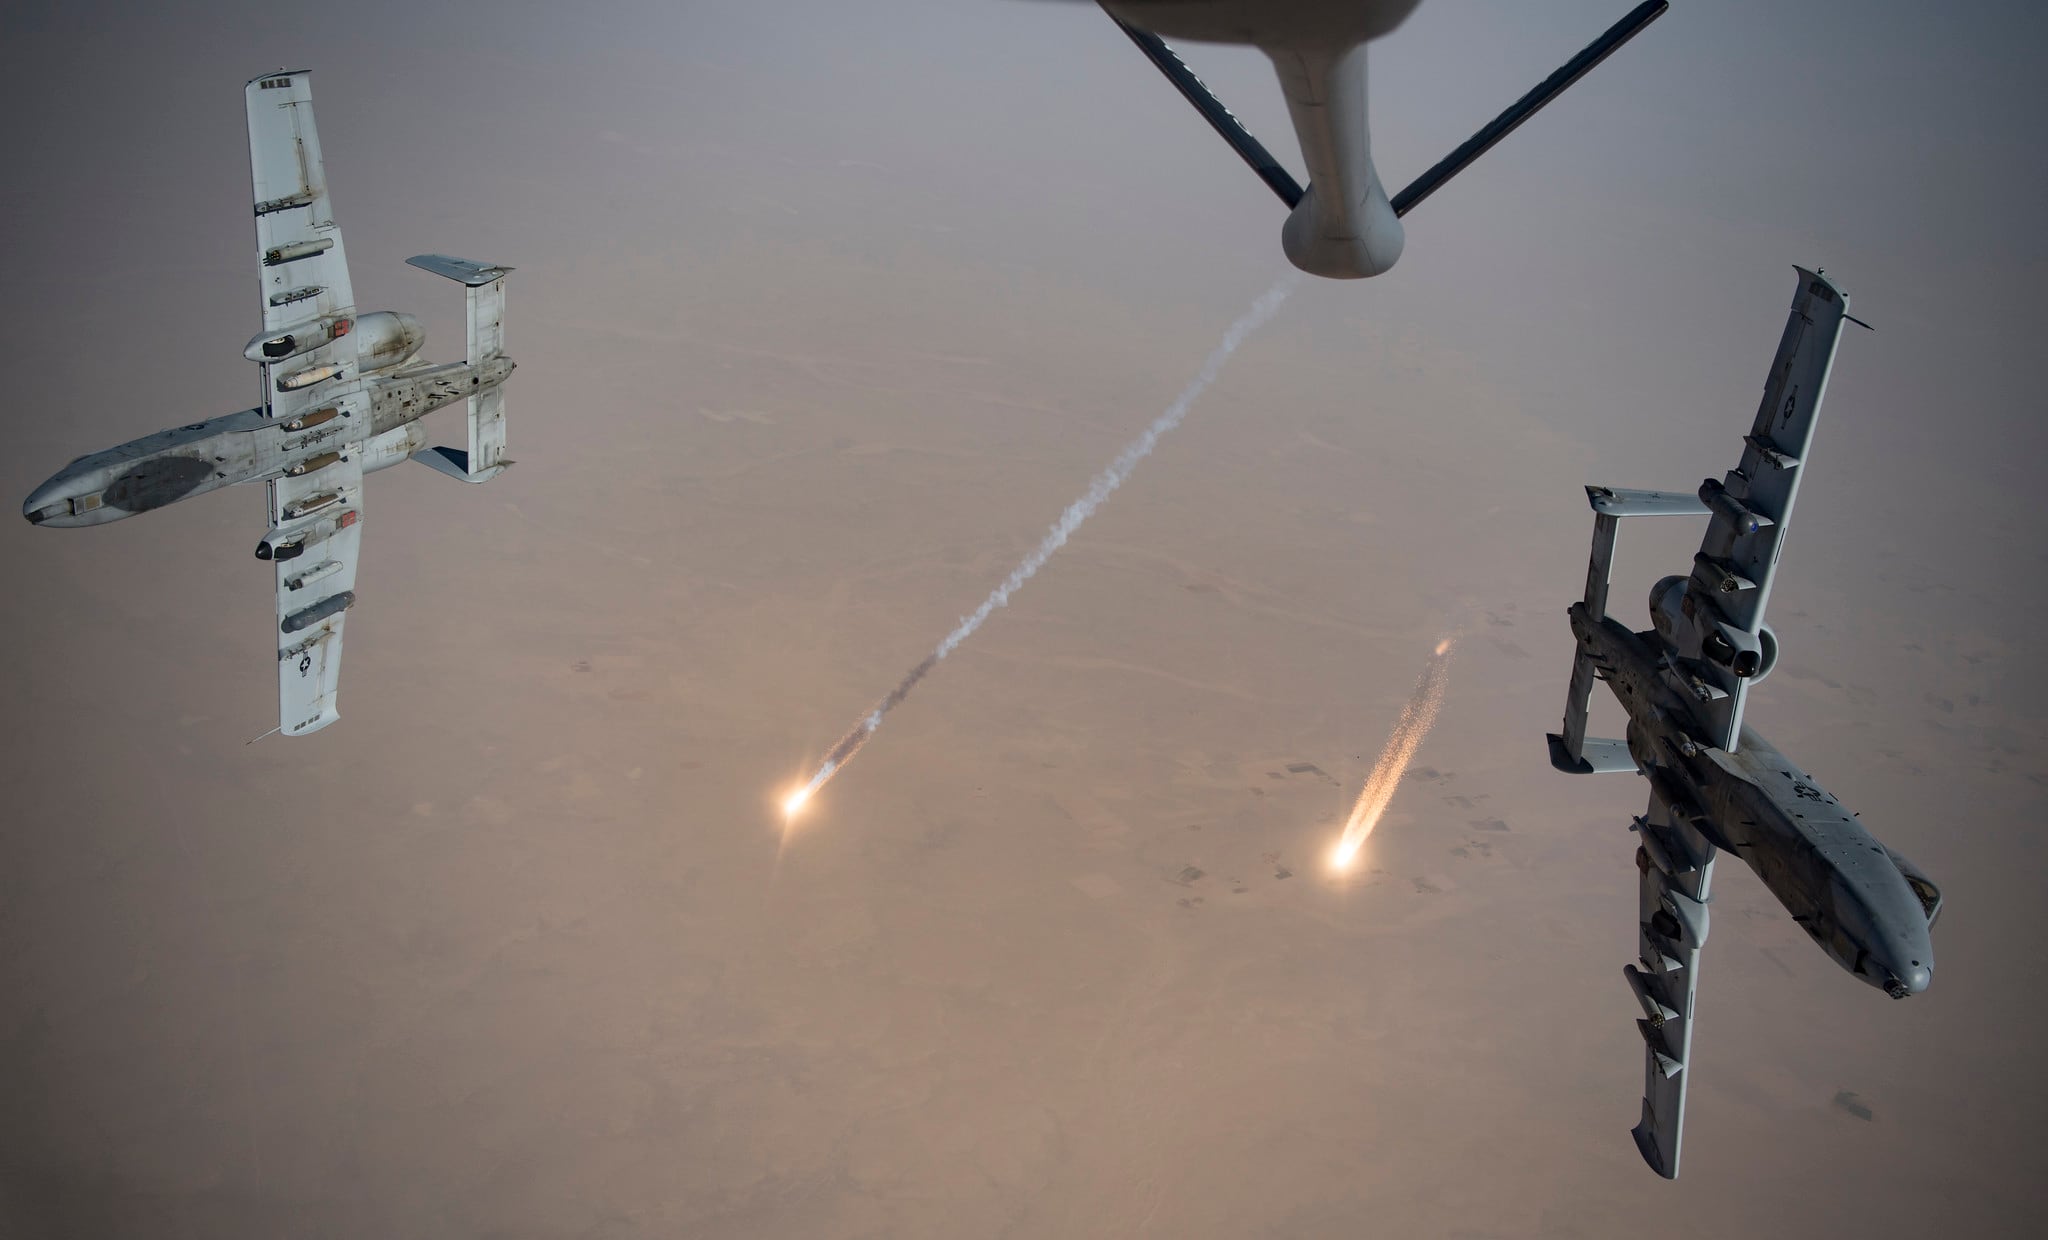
{"type": "Point", "coordinates": [823, 314]}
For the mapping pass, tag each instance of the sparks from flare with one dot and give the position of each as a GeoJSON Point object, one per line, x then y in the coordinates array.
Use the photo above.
{"type": "Point", "coordinates": [1104, 484]}
{"type": "Point", "coordinates": [1414, 724]}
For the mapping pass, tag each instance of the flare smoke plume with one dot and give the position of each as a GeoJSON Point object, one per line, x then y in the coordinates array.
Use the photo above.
{"type": "Point", "coordinates": [1414, 724]}
{"type": "Point", "coordinates": [1105, 484]}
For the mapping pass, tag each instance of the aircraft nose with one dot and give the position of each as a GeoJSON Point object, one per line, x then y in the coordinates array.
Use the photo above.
{"type": "Point", "coordinates": [45, 502]}
{"type": "Point", "coordinates": [1911, 981]}
{"type": "Point", "coordinates": [73, 497]}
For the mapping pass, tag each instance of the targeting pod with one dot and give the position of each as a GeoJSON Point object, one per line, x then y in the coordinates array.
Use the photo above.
{"type": "Point", "coordinates": [332, 605]}
{"type": "Point", "coordinates": [1745, 521]}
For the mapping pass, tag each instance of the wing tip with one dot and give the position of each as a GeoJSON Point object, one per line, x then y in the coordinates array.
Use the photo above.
{"type": "Point", "coordinates": [462, 270]}
{"type": "Point", "coordinates": [326, 716]}
{"type": "Point", "coordinates": [1645, 1133]}
{"type": "Point", "coordinates": [288, 77]}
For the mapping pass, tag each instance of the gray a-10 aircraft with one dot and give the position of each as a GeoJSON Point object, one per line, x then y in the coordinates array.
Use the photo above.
{"type": "Point", "coordinates": [343, 397]}
{"type": "Point", "coordinates": [1714, 784]}
{"type": "Point", "coordinates": [1343, 225]}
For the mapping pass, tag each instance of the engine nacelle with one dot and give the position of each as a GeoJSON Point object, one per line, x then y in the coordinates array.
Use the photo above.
{"type": "Point", "coordinates": [395, 445]}
{"type": "Point", "coordinates": [289, 542]}
{"type": "Point", "coordinates": [1667, 607]}
{"type": "Point", "coordinates": [1740, 652]}
{"type": "Point", "coordinates": [1767, 644]}
{"type": "Point", "coordinates": [385, 338]}
{"type": "Point", "coordinates": [1676, 614]}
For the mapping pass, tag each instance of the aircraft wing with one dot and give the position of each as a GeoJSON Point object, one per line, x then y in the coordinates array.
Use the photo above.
{"type": "Point", "coordinates": [302, 266]}
{"type": "Point", "coordinates": [1750, 511]}
{"type": "Point", "coordinates": [316, 532]}
{"type": "Point", "coordinates": [1677, 865]}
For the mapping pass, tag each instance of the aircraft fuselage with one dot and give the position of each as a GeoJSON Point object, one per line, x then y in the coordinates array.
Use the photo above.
{"type": "Point", "coordinates": [1855, 897]}
{"type": "Point", "coordinates": [376, 415]}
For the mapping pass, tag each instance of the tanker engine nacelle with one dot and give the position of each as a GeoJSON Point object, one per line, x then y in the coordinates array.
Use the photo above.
{"type": "Point", "coordinates": [1678, 616]}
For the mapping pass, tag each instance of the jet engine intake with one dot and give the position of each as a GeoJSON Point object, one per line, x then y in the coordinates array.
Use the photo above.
{"type": "Point", "coordinates": [1675, 610]}
{"type": "Point", "coordinates": [1738, 651]}
{"type": "Point", "coordinates": [1767, 649]}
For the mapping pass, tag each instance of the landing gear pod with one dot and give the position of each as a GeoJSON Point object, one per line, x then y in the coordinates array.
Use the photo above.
{"type": "Point", "coordinates": [290, 543]}
{"type": "Point", "coordinates": [298, 338]}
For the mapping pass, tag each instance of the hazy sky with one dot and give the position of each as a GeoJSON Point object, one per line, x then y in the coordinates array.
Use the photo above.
{"type": "Point", "coordinates": [823, 312]}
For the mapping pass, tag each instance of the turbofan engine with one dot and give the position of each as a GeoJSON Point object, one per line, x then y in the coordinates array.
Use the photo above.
{"type": "Point", "coordinates": [1676, 614]}
{"type": "Point", "coordinates": [384, 338]}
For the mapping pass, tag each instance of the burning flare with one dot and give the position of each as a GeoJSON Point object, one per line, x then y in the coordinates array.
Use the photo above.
{"type": "Point", "coordinates": [1080, 510]}
{"type": "Point", "coordinates": [1414, 724]}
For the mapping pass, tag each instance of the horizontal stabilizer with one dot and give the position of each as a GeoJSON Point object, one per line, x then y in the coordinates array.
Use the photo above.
{"type": "Point", "coordinates": [1622, 502]}
{"type": "Point", "coordinates": [1647, 1137]}
{"type": "Point", "coordinates": [455, 463]}
{"type": "Point", "coordinates": [472, 274]}
{"type": "Point", "coordinates": [1598, 756]}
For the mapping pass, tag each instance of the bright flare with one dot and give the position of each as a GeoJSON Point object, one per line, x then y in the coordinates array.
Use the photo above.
{"type": "Point", "coordinates": [1414, 724]}
{"type": "Point", "coordinates": [1104, 484]}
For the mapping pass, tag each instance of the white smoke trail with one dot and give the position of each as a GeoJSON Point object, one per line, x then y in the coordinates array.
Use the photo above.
{"type": "Point", "coordinates": [1416, 718]}
{"type": "Point", "coordinates": [1104, 485]}
{"type": "Point", "coordinates": [1110, 479]}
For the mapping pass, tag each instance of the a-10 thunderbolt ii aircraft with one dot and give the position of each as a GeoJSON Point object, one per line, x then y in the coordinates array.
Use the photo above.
{"type": "Point", "coordinates": [1343, 225]}
{"type": "Point", "coordinates": [343, 397]}
{"type": "Point", "coordinates": [1715, 785]}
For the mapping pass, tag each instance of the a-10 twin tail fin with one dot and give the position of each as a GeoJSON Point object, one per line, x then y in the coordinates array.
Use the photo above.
{"type": "Point", "coordinates": [485, 458]}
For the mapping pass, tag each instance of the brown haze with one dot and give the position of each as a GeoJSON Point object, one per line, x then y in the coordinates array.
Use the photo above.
{"type": "Point", "coordinates": [822, 312]}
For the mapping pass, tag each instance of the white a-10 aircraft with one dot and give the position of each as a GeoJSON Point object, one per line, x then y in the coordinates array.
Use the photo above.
{"type": "Point", "coordinates": [342, 397]}
{"type": "Point", "coordinates": [1714, 784]}
{"type": "Point", "coordinates": [1343, 225]}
